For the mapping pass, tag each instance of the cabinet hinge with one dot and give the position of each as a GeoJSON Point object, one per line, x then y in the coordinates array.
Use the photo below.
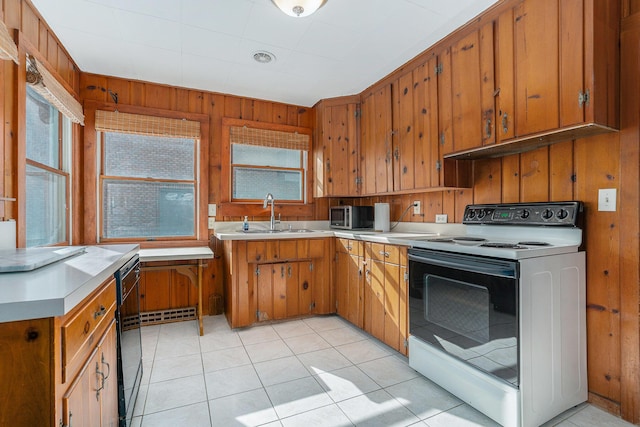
{"type": "Point", "coordinates": [438, 165]}
{"type": "Point", "coordinates": [358, 180]}
{"type": "Point", "coordinates": [406, 275]}
{"type": "Point", "coordinates": [258, 314]}
{"type": "Point", "coordinates": [257, 271]}
{"type": "Point", "coordinates": [312, 306]}
{"type": "Point", "coordinates": [442, 138]}
{"type": "Point", "coordinates": [583, 98]}
{"type": "Point", "coordinates": [438, 69]}
{"type": "Point", "coordinates": [406, 343]}
{"type": "Point", "coordinates": [310, 266]}
{"type": "Point", "coordinates": [356, 113]}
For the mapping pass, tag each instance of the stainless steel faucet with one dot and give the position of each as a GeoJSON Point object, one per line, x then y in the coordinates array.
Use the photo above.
{"type": "Point", "coordinates": [269, 199]}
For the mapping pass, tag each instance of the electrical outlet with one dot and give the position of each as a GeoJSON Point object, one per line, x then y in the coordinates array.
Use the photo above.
{"type": "Point", "coordinates": [441, 218]}
{"type": "Point", "coordinates": [416, 207]}
{"type": "Point", "coordinates": [607, 199]}
{"type": "Point", "coordinates": [212, 209]}
{"type": "Point", "coordinates": [211, 223]}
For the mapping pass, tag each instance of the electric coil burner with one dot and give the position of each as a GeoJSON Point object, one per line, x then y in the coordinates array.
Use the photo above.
{"type": "Point", "coordinates": [498, 315]}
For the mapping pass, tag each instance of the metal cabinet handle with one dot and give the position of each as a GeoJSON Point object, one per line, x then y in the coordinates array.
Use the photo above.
{"type": "Point", "coordinates": [349, 248]}
{"type": "Point", "coordinates": [383, 253]}
{"type": "Point", "coordinates": [505, 127]}
{"type": "Point", "coordinates": [66, 425]}
{"type": "Point", "coordinates": [487, 128]}
{"type": "Point", "coordinates": [98, 373]}
{"type": "Point", "coordinates": [100, 312]}
{"type": "Point", "coordinates": [104, 362]}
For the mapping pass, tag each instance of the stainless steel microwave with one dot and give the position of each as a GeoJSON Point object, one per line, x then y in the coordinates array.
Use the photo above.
{"type": "Point", "coordinates": [351, 217]}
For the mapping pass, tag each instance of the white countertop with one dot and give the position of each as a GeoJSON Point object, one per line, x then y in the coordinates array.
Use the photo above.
{"type": "Point", "coordinates": [55, 289]}
{"type": "Point", "coordinates": [175, 254]}
{"type": "Point", "coordinates": [400, 236]}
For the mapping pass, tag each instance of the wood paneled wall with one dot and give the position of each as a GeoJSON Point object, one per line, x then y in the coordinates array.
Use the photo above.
{"type": "Point", "coordinates": [216, 106]}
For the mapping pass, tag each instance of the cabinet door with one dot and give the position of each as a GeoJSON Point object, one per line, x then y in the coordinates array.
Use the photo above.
{"type": "Point", "coordinates": [281, 276]}
{"type": "Point", "coordinates": [264, 290]}
{"type": "Point", "coordinates": [108, 366]}
{"type": "Point", "coordinates": [425, 121]}
{"type": "Point", "coordinates": [536, 66]}
{"type": "Point", "coordinates": [374, 291]}
{"type": "Point", "coordinates": [404, 137]}
{"type": "Point", "coordinates": [472, 87]}
{"type": "Point", "coordinates": [340, 149]}
{"type": "Point", "coordinates": [505, 86]}
{"type": "Point", "coordinates": [292, 284]}
{"type": "Point", "coordinates": [392, 305]}
{"type": "Point", "coordinates": [81, 402]}
{"type": "Point", "coordinates": [306, 287]}
{"type": "Point", "coordinates": [349, 287]}
{"type": "Point", "coordinates": [376, 143]}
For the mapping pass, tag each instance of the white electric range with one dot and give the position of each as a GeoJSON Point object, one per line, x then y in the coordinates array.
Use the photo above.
{"type": "Point", "coordinates": [498, 314]}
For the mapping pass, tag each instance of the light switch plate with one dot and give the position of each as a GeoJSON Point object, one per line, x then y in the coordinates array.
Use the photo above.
{"type": "Point", "coordinates": [213, 209]}
{"type": "Point", "coordinates": [441, 218]}
{"type": "Point", "coordinates": [416, 207]}
{"type": "Point", "coordinates": [212, 223]}
{"type": "Point", "coordinates": [607, 199]}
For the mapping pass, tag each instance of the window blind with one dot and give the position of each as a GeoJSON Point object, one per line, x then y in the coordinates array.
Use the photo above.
{"type": "Point", "coordinates": [8, 49]}
{"type": "Point", "coordinates": [114, 121]}
{"type": "Point", "coordinates": [268, 138]}
{"type": "Point", "coordinates": [43, 82]}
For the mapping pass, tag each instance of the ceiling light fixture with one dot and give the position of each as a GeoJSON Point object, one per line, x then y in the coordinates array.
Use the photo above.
{"type": "Point", "coordinates": [264, 57]}
{"type": "Point", "coordinates": [299, 8]}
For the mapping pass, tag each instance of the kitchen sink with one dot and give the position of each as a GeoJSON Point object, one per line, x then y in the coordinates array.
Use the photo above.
{"type": "Point", "coordinates": [258, 231]}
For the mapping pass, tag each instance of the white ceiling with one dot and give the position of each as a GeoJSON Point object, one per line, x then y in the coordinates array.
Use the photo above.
{"type": "Point", "coordinates": [342, 49]}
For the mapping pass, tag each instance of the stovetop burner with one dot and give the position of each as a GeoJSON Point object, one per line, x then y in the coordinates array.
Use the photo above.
{"type": "Point", "coordinates": [503, 245]}
{"type": "Point", "coordinates": [534, 243]}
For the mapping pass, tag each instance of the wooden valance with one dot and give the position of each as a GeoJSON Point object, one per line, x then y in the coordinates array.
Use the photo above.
{"type": "Point", "coordinates": [269, 138]}
{"type": "Point", "coordinates": [8, 48]}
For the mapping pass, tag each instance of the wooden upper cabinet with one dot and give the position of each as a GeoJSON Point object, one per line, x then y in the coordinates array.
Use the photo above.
{"type": "Point", "coordinates": [337, 149]}
{"type": "Point", "coordinates": [557, 70]}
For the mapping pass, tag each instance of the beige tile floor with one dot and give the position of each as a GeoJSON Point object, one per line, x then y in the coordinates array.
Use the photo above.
{"type": "Point", "coordinates": [319, 371]}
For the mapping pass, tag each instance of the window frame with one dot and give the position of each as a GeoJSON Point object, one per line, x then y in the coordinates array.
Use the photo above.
{"type": "Point", "coordinates": [102, 178]}
{"type": "Point", "coordinates": [240, 207]}
{"type": "Point", "coordinates": [92, 174]}
{"type": "Point", "coordinates": [64, 170]}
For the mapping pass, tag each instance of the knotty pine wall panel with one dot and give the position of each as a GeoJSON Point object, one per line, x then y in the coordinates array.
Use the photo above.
{"type": "Point", "coordinates": [167, 289]}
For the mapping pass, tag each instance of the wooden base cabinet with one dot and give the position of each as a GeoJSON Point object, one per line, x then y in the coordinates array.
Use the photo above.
{"type": "Point", "coordinates": [277, 279]}
{"type": "Point", "coordinates": [62, 371]}
{"type": "Point", "coordinates": [385, 294]}
{"type": "Point", "coordinates": [349, 280]}
{"type": "Point", "coordinates": [371, 289]}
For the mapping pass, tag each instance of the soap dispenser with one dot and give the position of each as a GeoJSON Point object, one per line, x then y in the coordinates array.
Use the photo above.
{"type": "Point", "coordinates": [245, 224]}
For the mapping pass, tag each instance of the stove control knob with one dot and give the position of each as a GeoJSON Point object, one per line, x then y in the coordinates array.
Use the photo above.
{"type": "Point", "coordinates": [524, 214]}
{"type": "Point", "coordinates": [547, 214]}
{"type": "Point", "coordinates": [471, 214]}
{"type": "Point", "coordinates": [481, 214]}
{"type": "Point", "coordinates": [562, 214]}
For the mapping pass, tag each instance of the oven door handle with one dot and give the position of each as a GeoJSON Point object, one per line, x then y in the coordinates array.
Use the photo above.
{"type": "Point", "coordinates": [475, 267]}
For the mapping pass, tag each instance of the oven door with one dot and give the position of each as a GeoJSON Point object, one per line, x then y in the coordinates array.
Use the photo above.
{"type": "Point", "coordinates": [467, 307]}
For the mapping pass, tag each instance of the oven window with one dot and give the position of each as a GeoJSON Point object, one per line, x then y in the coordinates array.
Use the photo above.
{"type": "Point", "coordinates": [470, 316]}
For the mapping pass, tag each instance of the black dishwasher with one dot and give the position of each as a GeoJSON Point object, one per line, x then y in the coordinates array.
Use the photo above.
{"type": "Point", "coordinates": [129, 338]}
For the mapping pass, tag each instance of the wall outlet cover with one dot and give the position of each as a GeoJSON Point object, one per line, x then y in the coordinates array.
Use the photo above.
{"type": "Point", "coordinates": [212, 209]}
{"type": "Point", "coordinates": [212, 223]}
{"type": "Point", "coordinates": [441, 218]}
{"type": "Point", "coordinates": [416, 207]}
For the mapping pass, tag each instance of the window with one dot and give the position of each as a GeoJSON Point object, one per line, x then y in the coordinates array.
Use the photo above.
{"type": "Point", "coordinates": [148, 177]}
{"type": "Point", "coordinates": [268, 161]}
{"type": "Point", "coordinates": [48, 136]}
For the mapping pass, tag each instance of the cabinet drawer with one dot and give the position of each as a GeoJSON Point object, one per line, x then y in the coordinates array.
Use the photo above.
{"type": "Point", "coordinates": [387, 253]}
{"type": "Point", "coordinates": [353, 247]}
{"type": "Point", "coordinates": [81, 330]}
